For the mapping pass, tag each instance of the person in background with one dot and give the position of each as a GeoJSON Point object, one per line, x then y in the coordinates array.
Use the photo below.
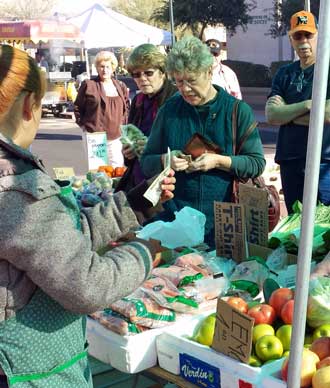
{"type": "Point", "coordinates": [42, 62]}
{"type": "Point", "coordinates": [223, 75]}
{"type": "Point", "coordinates": [146, 64]}
{"type": "Point", "coordinates": [102, 105]}
{"type": "Point", "coordinates": [51, 275]}
{"type": "Point", "coordinates": [204, 109]}
{"type": "Point", "coordinates": [289, 104]}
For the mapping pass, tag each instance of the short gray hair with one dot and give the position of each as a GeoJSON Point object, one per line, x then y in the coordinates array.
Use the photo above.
{"type": "Point", "coordinates": [189, 55]}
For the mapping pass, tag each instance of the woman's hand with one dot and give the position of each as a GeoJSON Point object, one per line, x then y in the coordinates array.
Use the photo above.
{"type": "Point", "coordinates": [177, 163]}
{"type": "Point", "coordinates": [139, 146]}
{"type": "Point", "coordinates": [129, 152]}
{"type": "Point", "coordinates": [168, 186]}
{"type": "Point", "coordinates": [209, 161]}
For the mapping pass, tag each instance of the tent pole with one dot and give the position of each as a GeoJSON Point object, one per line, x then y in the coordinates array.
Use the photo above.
{"type": "Point", "coordinates": [172, 23]}
{"type": "Point", "coordinates": [87, 64]}
{"type": "Point", "coordinates": [310, 194]}
{"type": "Point", "coordinates": [307, 5]}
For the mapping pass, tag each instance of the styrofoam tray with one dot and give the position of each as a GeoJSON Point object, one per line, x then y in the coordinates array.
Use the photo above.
{"type": "Point", "coordinates": [131, 354]}
{"type": "Point", "coordinates": [233, 374]}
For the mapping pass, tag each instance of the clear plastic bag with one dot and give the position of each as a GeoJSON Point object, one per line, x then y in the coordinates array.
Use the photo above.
{"type": "Point", "coordinates": [187, 230]}
{"type": "Point", "coordinates": [318, 306]}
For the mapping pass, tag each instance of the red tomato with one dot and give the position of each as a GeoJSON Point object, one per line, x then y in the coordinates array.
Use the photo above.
{"type": "Point", "coordinates": [262, 313]}
{"type": "Point", "coordinates": [287, 312]}
{"type": "Point", "coordinates": [279, 297]}
{"type": "Point", "coordinates": [238, 303]}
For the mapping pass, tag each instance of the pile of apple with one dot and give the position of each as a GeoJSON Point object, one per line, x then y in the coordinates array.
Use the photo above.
{"type": "Point", "coordinates": [271, 338]}
{"type": "Point", "coordinates": [315, 367]}
{"type": "Point", "coordinates": [272, 325]}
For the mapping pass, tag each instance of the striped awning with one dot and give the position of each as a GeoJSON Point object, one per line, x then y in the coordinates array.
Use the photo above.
{"type": "Point", "coordinates": [38, 31]}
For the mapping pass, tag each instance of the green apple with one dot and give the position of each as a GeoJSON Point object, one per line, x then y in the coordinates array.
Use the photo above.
{"type": "Point", "coordinates": [261, 330]}
{"type": "Point", "coordinates": [254, 360]}
{"type": "Point", "coordinates": [283, 333]}
{"type": "Point", "coordinates": [205, 331]}
{"type": "Point", "coordinates": [322, 331]}
{"type": "Point", "coordinates": [286, 353]}
{"type": "Point", "coordinates": [269, 347]}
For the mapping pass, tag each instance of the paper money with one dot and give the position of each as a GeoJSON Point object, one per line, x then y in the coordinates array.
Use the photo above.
{"type": "Point", "coordinates": [155, 190]}
{"type": "Point", "coordinates": [188, 158]}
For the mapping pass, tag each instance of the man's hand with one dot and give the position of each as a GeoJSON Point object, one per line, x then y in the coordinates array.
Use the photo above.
{"type": "Point", "coordinates": [275, 100]}
{"type": "Point", "coordinates": [209, 161]}
{"type": "Point", "coordinates": [168, 186]}
{"type": "Point", "coordinates": [322, 268]}
{"type": "Point", "coordinates": [278, 112]}
{"type": "Point", "coordinates": [129, 152]}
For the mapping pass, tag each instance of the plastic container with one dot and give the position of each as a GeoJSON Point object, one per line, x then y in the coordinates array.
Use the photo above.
{"type": "Point", "coordinates": [233, 374]}
{"type": "Point", "coordinates": [131, 354]}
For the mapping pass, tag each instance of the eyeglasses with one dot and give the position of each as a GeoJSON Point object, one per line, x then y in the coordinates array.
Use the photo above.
{"type": "Point", "coordinates": [302, 34]}
{"type": "Point", "coordinates": [139, 74]}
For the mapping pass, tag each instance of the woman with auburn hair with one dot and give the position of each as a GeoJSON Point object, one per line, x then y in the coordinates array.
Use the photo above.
{"type": "Point", "coordinates": [146, 64]}
{"type": "Point", "coordinates": [102, 105]}
{"type": "Point", "coordinates": [51, 275]}
{"type": "Point", "coordinates": [202, 113]}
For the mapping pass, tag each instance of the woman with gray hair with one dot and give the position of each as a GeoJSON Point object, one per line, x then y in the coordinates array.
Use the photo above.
{"type": "Point", "coordinates": [102, 105]}
{"type": "Point", "coordinates": [198, 122]}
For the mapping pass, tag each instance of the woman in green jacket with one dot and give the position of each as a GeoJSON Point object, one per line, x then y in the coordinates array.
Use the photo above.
{"type": "Point", "coordinates": [206, 109]}
{"type": "Point", "coordinates": [51, 274]}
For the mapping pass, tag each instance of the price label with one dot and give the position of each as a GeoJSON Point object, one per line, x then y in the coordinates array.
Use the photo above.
{"type": "Point", "coordinates": [63, 173]}
{"type": "Point", "coordinates": [97, 149]}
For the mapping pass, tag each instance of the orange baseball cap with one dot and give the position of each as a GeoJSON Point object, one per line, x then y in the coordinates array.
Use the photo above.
{"type": "Point", "coordinates": [303, 21]}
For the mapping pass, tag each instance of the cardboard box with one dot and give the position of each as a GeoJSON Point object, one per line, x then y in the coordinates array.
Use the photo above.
{"type": "Point", "coordinates": [255, 202]}
{"type": "Point", "coordinates": [237, 224]}
{"type": "Point", "coordinates": [233, 332]}
{"type": "Point", "coordinates": [230, 230]}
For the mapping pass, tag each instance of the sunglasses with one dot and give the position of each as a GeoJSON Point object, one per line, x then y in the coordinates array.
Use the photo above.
{"type": "Point", "coordinates": [139, 74]}
{"type": "Point", "coordinates": [300, 35]}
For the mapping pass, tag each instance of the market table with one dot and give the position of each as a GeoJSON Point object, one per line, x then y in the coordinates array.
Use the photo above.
{"type": "Point", "coordinates": [157, 373]}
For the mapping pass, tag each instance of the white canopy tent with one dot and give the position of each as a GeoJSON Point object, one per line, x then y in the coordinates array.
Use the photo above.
{"type": "Point", "coordinates": [102, 27]}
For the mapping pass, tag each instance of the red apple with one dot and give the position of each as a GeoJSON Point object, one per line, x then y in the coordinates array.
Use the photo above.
{"type": "Point", "coordinates": [324, 362]}
{"type": "Point", "coordinates": [308, 368]}
{"type": "Point", "coordinates": [262, 313]}
{"type": "Point", "coordinates": [238, 303]}
{"type": "Point", "coordinates": [287, 312]}
{"type": "Point", "coordinates": [279, 297]}
{"type": "Point", "coordinates": [321, 347]}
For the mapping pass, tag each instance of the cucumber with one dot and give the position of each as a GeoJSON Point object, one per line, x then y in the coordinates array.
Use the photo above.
{"type": "Point", "coordinates": [269, 286]}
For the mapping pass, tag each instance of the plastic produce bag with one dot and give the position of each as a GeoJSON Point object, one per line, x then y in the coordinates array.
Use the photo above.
{"type": "Point", "coordinates": [253, 270]}
{"type": "Point", "coordinates": [318, 307]}
{"type": "Point", "coordinates": [278, 259]}
{"type": "Point", "coordinates": [186, 230]}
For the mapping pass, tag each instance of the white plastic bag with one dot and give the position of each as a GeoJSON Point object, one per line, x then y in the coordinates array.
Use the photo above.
{"type": "Point", "coordinates": [187, 230]}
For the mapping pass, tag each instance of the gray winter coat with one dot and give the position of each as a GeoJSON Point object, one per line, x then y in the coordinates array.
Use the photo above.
{"type": "Point", "coordinates": [41, 247]}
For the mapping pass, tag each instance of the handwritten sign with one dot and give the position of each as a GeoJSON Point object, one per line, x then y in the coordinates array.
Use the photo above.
{"type": "Point", "coordinates": [97, 150]}
{"type": "Point", "coordinates": [255, 202]}
{"type": "Point", "coordinates": [63, 173]}
{"type": "Point", "coordinates": [233, 332]}
{"type": "Point", "coordinates": [230, 230]}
